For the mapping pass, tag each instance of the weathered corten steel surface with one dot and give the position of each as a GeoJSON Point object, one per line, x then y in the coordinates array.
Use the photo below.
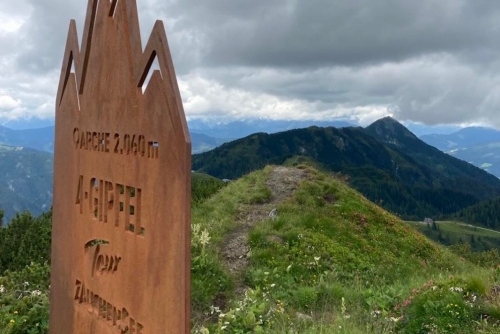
{"type": "Point", "coordinates": [121, 214]}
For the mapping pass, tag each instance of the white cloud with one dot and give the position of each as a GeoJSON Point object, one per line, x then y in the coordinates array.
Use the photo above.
{"type": "Point", "coordinates": [203, 97]}
{"type": "Point", "coordinates": [7, 102]}
{"type": "Point", "coordinates": [10, 24]}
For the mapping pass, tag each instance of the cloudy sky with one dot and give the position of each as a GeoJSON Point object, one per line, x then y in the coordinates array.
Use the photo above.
{"type": "Point", "coordinates": [428, 61]}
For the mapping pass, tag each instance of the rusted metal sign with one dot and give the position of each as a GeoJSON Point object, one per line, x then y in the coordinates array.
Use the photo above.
{"type": "Point", "coordinates": [121, 213]}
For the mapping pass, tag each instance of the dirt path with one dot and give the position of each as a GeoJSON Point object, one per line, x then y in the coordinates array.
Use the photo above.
{"type": "Point", "coordinates": [282, 181]}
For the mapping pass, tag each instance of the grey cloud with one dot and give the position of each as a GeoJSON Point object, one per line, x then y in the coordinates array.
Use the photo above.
{"type": "Point", "coordinates": [431, 89]}
{"type": "Point", "coordinates": [432, 61]}
{"type": "Point", "coordinates": [42, 38]}
{"type": "Point", "coordinates": [334, 32]}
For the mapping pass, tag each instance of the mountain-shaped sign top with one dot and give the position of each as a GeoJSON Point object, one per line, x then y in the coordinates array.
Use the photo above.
{"type": "Point", "coordinates": [122, 168]}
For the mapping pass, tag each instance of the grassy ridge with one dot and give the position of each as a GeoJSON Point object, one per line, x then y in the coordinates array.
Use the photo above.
{"type": "Point", "coordinates": [331, 262]}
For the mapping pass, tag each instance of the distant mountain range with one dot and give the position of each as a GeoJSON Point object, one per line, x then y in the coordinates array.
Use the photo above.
{"type": "Point", "coordinates": [242, 128]}
{"type": "Point", "coordinates": [477, 145]}
{"type": "Point", "coordinates": [41, 139]}
{"type": "Point", "coordinates": [384, 161]}
{"type": "Point", "coordinates": [25, 180]}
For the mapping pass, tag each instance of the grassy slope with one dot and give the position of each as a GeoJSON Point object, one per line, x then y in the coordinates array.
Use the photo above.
{"type": "Point", "coordinates": [451, 233]}
{"type": "Point", "coordinates": [203, 185]}
{"type": "Point", "coordinates": [331, 262]}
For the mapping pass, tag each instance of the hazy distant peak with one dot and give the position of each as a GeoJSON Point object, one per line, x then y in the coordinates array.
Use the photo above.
{"type": "Point", "coordinates": [10, 148]}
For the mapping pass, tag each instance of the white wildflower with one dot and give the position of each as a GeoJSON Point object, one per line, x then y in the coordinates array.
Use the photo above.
{"type": "Point", "coordinates": [2, 289]}
{"type": "Point", "coordinates": [204, 330]}
{"type": "Point", "coordinates": [316, 258]}
{"type": "Point", "coordinates": [214, 309]}
{"type": "Point", "coordinates": [204, 238]}
{"type": "Point", "coordinates": [35, 293]}
{"type": "Point", "coordinates": [26, 284]}
{"type": "Point", "coordinates": [196, 229]}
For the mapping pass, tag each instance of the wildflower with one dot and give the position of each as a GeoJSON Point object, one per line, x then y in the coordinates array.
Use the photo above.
{"type": "Point", "coordinates": [196, 229]}
{"type": "Point", "coordinates": [12, 321]}
{"type": "Point", "coordinates": [342, 307]}
{"type": "Point", "coordinates": [35, 293]}
{"type": "Point", "coordinates": [26, 284]}
{"type": "Point", "coordinates": [2, 289]}
{"type": "Point", "coordinates": [214, 309]}
{"type": "Point", "coordinates": [288, 268]}
{"type": "Point", "coordinates": [204, 238]}
{"type": "Point", "coordinates": [316, 258]}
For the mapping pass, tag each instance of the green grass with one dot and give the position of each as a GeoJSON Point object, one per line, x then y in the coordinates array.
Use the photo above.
{"type": "Point", "coordinates": [333, 262]}
{"type": "Point", "coordinates": [215, 216]}
{"type": "Point", "coordinates": [451, 233]}
{"type": "Point", "coordinates": [203, 186]}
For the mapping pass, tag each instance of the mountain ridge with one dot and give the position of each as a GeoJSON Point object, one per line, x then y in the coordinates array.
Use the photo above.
{"type": "Point", "coordinates": [385, 161]}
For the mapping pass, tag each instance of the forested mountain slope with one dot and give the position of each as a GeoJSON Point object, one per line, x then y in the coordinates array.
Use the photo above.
{"type": "Point", "coordinates": [25, 180]}
{"type": "Point", "coordinates": [385, 162]}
